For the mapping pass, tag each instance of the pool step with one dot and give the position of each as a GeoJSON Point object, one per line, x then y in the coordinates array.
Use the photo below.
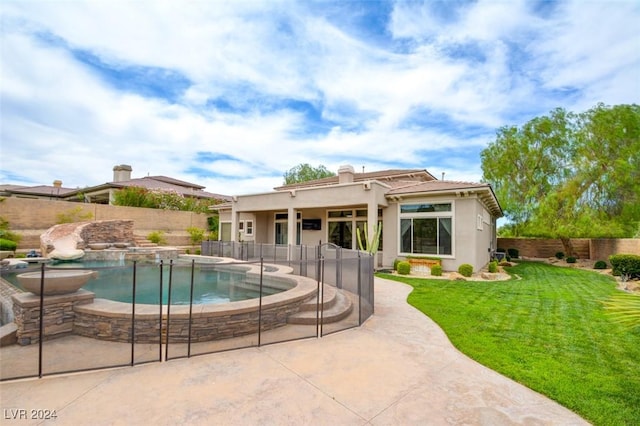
{"type": "Point", "coordinates": [141, 241]}
{"type": "Point", "coordinates": [336, 306]}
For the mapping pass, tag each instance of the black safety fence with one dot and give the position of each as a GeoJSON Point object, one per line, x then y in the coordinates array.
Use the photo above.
{"type": "Point", "coordinates": [235, 295]}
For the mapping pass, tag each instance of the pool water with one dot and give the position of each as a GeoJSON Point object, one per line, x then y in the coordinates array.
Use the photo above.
{"type": "Point", "coordinates": [210, 285]}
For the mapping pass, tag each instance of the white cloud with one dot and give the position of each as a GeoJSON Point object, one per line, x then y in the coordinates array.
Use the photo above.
{"type": "Point", "coordinates": [479, 67]}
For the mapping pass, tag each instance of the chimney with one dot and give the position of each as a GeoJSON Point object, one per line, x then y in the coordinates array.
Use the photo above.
{"type": "Point", "coordinates": [345, 174]}
{"type": "Point", "coordinates": [121, 173]}
{"type": "Point", "coordinates": [57, 183]}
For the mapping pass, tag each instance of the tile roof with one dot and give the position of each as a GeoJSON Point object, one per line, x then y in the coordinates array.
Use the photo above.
{"type": "Point", "coordinates": [167, 184]}
{"type": "Point", "coordinates": [382, 175]}
{"type": "Point", "coordinates": [41, 190]}
{"type": "Point", "coordinates": [433, 186]}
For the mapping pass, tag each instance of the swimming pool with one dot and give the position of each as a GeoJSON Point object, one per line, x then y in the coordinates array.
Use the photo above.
{"type": "Point", "coordinates": [212, 284]}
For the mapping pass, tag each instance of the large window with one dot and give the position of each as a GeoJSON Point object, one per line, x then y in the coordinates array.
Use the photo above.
{"type": "Point", "coordinates": [342, 226]}
{"type": "Point", "coordinates": [426, 229]}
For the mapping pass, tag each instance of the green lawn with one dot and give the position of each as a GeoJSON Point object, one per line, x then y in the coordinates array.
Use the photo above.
{"type": "Point", "coordinates": [547, 331]}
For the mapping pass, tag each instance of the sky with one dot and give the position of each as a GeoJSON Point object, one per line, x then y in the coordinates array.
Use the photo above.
{"type": "Point", "coordinates": [232, 94]}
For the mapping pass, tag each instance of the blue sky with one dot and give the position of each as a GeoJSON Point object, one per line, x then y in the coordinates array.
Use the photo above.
{"type": "Point", "coordinates": [230, 95]}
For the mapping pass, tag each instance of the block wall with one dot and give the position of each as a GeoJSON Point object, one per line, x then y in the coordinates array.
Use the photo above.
{"type": "Point", "coordinates": [31, 217]}
{"type": "Point", "coordinates": [585, 248]}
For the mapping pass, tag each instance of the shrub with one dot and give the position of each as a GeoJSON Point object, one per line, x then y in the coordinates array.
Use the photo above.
{"type": "Point", "coordinates": [465, 270]}
{"type": "Point", "coordinates": [493, 267]}
{"type": "Point", "coordinates": [436, 270]}
{"type": "Point", "coordinates": [513, 253]}
{"type": "Point", "coordinates": [157, 237]}
{"type": "Point", "coordinates": [571, 259]}
{"type": "Point", "coordinates": [627, 265]}
{"type": "Point", "coordinates": [404, 267]}
{"type": "Point", "coordinates": [559, 255]}
{"type": "Point", "coordinates": [600, 264]}
{"type": "Point", "coordinates": [196, 234]}
{"type": "Point", "coordinates": [7, 245]}
{"type": "Point", "coordinates": [508, 258]}
{"type": "Point", "coordinates": [6, 234]}
{"type": "Point", "coordinates": [76, 214]}
{"type": "Point", "coordinates": [395, 264]}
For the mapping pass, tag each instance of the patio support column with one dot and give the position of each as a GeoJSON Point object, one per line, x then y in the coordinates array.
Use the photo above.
{"type": "Point", "coordinates": [292, 221]}
{"type": "Point", "coordinates": [235, 219]}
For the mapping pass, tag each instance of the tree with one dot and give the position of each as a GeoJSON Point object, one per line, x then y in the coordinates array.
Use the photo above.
{"type": "Point", "coordinates": [569, 175]}
{"type": "Point", "coordinates": [305, 172]}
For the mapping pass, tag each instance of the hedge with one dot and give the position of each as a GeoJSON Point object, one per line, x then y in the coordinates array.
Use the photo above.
{"type": "Point", "coordinates": [625, 264]}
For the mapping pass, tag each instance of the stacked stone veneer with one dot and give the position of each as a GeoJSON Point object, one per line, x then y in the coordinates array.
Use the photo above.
{"type": "Point", "coordinates": [86, 233]}
{"type": "Point", "coordinates": [209, 322]}
{"type": "Point", "coordinates": [59, 314]}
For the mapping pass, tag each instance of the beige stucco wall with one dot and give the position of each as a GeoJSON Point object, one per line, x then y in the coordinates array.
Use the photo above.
{"type": "Point", "coordinates": [470, 245]}
{"type": "Point", "coordinates": [31, 217]}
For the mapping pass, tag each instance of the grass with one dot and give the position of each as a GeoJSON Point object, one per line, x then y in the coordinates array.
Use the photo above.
{"type": "Point", "coordinates": [548, 331]}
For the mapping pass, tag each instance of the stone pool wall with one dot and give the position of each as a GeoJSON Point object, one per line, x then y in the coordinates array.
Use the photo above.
{"type": "Point", "coordinates": [80, 313]}
{"type": "Point", "coordinates": [208, 323]}
{"type": "Point", "coordinates": [59, 314]}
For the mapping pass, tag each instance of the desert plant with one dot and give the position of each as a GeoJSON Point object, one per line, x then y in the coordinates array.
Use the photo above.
{"type": "Point", "coordinates": [436, 270]}
{"type": "Point", "coordinates": [559, 255]}
{"type": "Point", "coordinates": [600, 264]}
{"type": "Point", "coordinates": [7, 245]}
{"type": "Point", "coordinates": [465, 270]}
{"type": "Point", "coordinates": [404, 268]}
{"type": "Point", "coordinates": [196, 235]}
{"type": "Point", "coordinates": [157, 237]}
{"type": "Point", "coordinates": [371, 244]}
{"type": "Point", "coordinates": [493, 267]}
{"type": "Point", "coordinates": [571, 259]}
{"type": "Point", "coordinates": [513, 253]}
{"type": "Point", "coordinates": [625, 265]}
{"type": "Point", "coordinates": [76, 214]}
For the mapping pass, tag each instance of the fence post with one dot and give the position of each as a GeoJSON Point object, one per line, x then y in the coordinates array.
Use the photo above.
{"type": "Point", "coordinates": [359, 289]}
{"type": "Point", "coordinates": [133, 315]}
{"type": "Point", "coordinates": [166, 348]}
{"type": "Point", "coordinates": [160, 314]}
{"type": "Point", "coordinates": [319, 268]}
{"type": "Point", "coordinates": [41, 325]}
{"type": "Point", "coordinates": [260, 305]}
{"type": "Point", "coordinates": [193, 266]}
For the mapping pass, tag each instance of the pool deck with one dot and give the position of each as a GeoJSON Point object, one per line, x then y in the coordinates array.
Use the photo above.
{"type": "Point", "coordinates": [399, 368]}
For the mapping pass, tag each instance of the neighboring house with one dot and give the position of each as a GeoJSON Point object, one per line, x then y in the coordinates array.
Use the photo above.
{"type": "Point", "coordinates": [420, 215]}
{"type": "Point", "coordinates": [103, 194]}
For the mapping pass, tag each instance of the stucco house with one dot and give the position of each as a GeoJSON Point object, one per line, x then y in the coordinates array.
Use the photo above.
{"type": "Point", "coordinates": [420, 215]}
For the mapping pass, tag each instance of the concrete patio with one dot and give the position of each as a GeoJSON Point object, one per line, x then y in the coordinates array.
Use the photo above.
{"type": "Point", "coordinates": [399, 368]}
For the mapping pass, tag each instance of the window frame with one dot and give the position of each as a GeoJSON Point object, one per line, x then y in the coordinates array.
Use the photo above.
{"type": "Point", "coordinates": [428, 215]}
{"type": "Point", "coordinates": [354, 215]}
